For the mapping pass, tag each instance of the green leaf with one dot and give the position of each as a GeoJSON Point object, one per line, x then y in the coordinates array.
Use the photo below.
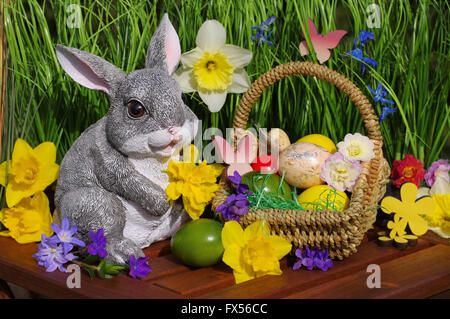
{"type": "Point", "coordinates": [101, 268]}
{"type": "Point", "coordinates": [113, 269]}
{"type": "Point", "coordinates": [91, 259]}
{"type": "Point", "coordinates": [90, 272]}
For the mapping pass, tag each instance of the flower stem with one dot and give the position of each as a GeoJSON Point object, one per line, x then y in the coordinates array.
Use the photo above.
{"type": "Point", "coordinates": [82, 264]}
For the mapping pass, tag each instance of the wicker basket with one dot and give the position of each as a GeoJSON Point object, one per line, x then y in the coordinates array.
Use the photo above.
{"type": "Point", "coordinates": [340, 233]}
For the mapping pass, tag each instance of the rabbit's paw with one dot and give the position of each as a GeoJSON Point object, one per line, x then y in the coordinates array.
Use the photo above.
{"type": "Point", "coordinates": [119, 250]}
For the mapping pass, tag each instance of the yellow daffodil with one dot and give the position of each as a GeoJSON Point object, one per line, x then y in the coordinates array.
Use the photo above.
{"type": "Point", "coordinates": [409, 208]}
{"type": "Point", "coordinates": [252, 252]}
{"type": "Point", "coordinates": [28, 220]}
{"type": "Point", "coordinates": [195, 183]}
{"type": "Point", "coordinates": [214, 68]}
{"type": "Point", "coordinates": [439, 218]}
{"type": "Point", "coordinates": [29, 171]}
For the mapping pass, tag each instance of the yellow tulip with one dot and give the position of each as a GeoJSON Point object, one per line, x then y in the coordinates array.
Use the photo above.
{"type": "Point", "coordinates": [29, 171]}
{"type": "Point", "coordinates": [252, 252]}
{"type": "Point", "coordinates": [28, 220]}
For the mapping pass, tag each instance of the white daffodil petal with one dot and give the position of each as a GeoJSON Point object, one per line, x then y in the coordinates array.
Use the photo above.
{"type": "Point", "coordinates": [440, 186]}
{"type": "Point", "coordinates": [214, 100]}
{"type": "Point", "coordinates": [186, 80]}
{"type": "Point", "coordinates": [237, 56]}
{"type": "Point", "coordinates": [423, 191]}
{"type": "Point", "coordinates": [189, 58]}
{"type": "Point", "coordinates": [211, 36]}
{"type": "Point", "coordinates": [439, 231]}
{"type": "Point", "coordinates": [240, 82]}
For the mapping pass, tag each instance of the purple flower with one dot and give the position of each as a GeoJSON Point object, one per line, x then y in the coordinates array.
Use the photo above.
{"type": "Point", "coordinates": [341, 173]}
{"type": "Point", "coordinates": [51, 255]}
{"type": "Point", "coordinates": [98, 244]}
{"type": "Point", "coordinates": [236, 179]}
{"type": "Point", "coordinates": [313, 258]}
{"type": "Point", "coordinates": [379, 94]}
{"type": "Point", "coordinates": [322, 261]}
{"type": "Point", "coordinates": [438, 168]}
{"type": "Point", "coordinates": [306, 259]}
{"type": "Point", "coordinates": [235, 206]}
{"type": "Point", "coordinates": [139, 268]}
{"type": "Point", "coordinates": [242, 188]}
{"type": "Point", "coordinates": [65, 235]}
{"type": "Point", "coordinates": [359, 55]}
{"type": "Point", "coordinates": [386, 111]}
{"type": "Point", "coordinates": [363, 36]}
{"type": "Point", "coordinates": [262, 29]}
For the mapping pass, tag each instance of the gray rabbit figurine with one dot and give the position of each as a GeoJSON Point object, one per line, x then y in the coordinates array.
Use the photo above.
{"type": "Point", "coordinates": [112, 177]}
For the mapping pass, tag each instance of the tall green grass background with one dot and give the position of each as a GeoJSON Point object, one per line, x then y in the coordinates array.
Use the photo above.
{"type": "Point", "coordinates": [411, 47]}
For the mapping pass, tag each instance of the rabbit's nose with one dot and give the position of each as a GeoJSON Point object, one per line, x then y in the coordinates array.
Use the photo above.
{"type": "Point", "coordinates": [176, 139]}
{"type": "Point", "coordinates": [174, 130]}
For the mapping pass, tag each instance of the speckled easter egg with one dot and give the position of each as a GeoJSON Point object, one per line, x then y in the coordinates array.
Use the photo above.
{"type": "Point", "coordinates": [280, 137]}
{"type": "Point", "coordinates": [302, 163]}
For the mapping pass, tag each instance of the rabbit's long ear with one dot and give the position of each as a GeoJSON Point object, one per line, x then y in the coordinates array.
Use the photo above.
{"type": "Point", "coordinates": [164, 51]}
{"type": "Point", "coordinates": [88, 69]}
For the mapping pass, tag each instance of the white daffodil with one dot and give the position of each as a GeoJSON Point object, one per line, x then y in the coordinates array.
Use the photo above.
{"type": "Point", "coordinates": [214, 68]}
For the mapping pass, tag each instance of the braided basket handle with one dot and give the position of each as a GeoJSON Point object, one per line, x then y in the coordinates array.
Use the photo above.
{"type": "Point", "coordinates": [339, 81]}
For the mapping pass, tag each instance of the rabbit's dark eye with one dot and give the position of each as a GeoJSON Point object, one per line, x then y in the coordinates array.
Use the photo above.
{"type": "Point", "coordinates": [135, 109]}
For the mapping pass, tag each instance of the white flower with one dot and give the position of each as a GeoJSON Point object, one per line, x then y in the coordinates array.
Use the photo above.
{"type": "Point", "coordinates": [356, 147]}
{"type": "Point", "coordinates": [340, 173]}
{"type": "Point", "coordinates": [214, 68]}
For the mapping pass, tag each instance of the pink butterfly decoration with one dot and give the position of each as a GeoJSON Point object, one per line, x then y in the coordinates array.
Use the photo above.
{"type": "Point", "coordinates": [239, 160]}
{"type": "Point", "coordinates": [321, 43]}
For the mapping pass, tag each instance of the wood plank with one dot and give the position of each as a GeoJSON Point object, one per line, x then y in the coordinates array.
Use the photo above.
{"type": "Point", "coordinates": [5, 291]}
{"type": "Point", "coordinates": [165, 266]}
{"type": "Point", "coordinates": [435, 238]}
{"type": "Point", "coordinates": [161, 248]}
{"type": "Point", "coordinates": [441, 295]}
{"type": "Point", "coordinates": [417, 275]}
{"type": "Point", "coordinates": [200, 281]}
{"type": "Point", "coordinates": [291, 281]}
{"type": "Point", "coordinates": [18, 266]}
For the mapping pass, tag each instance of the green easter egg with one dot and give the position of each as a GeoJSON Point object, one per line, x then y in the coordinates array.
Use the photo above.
{"type": "Point", "coordinates": [198, 243]}
{"type": "Point", "coordinates": [268, 183]}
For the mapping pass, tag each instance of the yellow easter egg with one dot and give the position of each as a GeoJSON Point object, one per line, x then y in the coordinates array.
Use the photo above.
{"type": "Point", "coordinates": [320, 140]}
{"type": "Point", "coordinates": [323, 197]}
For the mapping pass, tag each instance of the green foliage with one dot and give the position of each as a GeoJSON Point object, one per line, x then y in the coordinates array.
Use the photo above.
{"type": "Point", "coordinates": [105, 269]}
{"type": "Point", "coordinates": [411, 47]}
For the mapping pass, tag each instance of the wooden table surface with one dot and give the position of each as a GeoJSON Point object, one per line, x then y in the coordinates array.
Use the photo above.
{"type": "Point", "coordinates": [421, 271]}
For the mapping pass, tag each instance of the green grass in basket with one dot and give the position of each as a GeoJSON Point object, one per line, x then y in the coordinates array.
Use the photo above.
{"type": "Point", "coordinates": [411, 47]}
{"type": "Point", "coordinates": [260, 199]}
